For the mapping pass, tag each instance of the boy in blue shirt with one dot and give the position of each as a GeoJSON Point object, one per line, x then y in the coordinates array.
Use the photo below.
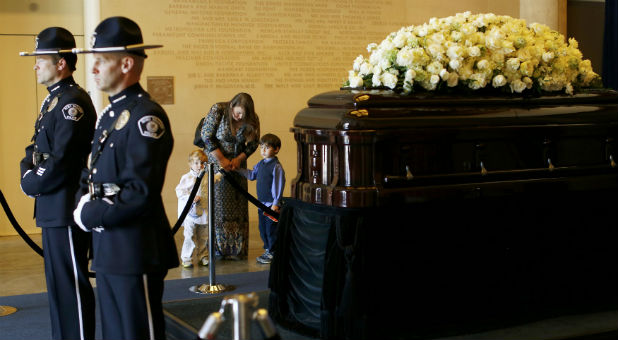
{"type": "Point", "coordinates": [270, 183]}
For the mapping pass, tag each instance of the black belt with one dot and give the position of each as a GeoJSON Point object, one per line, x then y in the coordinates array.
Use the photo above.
{"type": "Point", "coordinates": [100, 190]}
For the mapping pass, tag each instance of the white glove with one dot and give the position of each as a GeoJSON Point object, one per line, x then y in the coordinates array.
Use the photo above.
{"type": "Point", "coordinates": [77, 213]}
{"type": "Point", "coordinates": [22, 188]}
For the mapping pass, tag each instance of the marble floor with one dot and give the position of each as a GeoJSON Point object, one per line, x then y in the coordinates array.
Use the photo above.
{"type": "Point", "coordinates": [21, 269]}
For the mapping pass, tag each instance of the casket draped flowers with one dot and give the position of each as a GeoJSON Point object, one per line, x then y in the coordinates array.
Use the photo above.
{"type": "Point", "coordinates": [474, 52]}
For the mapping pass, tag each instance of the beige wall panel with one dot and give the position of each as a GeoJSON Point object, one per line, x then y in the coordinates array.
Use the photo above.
{"type": "Point", "coordinates": [32, 16]}
{"type": "Point", "coordinates": [420, 11]}
{"type": "Point", "coordinates": [18, 110]}
{"type": "Point", "coordinates": [548, 12]}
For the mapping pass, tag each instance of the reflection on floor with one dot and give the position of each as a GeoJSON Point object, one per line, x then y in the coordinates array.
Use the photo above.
{"type": "Point", "coordinates": [21, 269]}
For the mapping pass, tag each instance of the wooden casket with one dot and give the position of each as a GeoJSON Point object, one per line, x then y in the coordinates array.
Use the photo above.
{"type": "Point", "coordinates": [373, 148]}
{"type": "Point", "coordinates": [429, 215]}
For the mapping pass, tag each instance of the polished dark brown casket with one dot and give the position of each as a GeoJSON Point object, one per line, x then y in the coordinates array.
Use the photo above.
{"type": "Point", "coordinates": [368, 148]}
{"type": "Point", "coordinates": [430, 215]}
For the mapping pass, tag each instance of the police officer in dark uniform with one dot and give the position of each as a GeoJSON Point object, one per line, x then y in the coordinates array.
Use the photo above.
{"type": "Point", "coordinates": [122, 205]}
{"type": "Point", "coordinates": [50, 173]}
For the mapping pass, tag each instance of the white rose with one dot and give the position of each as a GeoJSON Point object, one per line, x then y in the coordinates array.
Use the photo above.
{"type": "Point", "coordinates": [409, 76]}
{"type": "Point", "coordinates": [482, 64]}
{"type": "Point", "coordinates": [435, 50]}
{"type": "Point", "coordinates": [401, 39]}
{"type": "Point", "coordinates": [376, 80]}
{"type": "Point", "coordinates": [374, 58]}
{"type": "Point", "coordinates": [454, 52]}
{"type": "Point", "coordinates": [386, 45]}
{"type": "Point", "coordinates": [512, 64]}
{"type": "Point", "coordinates": [371, 47]}
{"type": "Point", "coordinates": [435, 79]}
{"type": "Point", "coordinates": [389, 80]}
{"type": "Point", "coordinates": [474, 51]}
{"type": "Point", "coordinates": [444, 74]}
{"type": "Point", "coordinates": [434, 67]}
{"type": "Point", "coordinates": [498, 81]}
{"type": "Point", "coordinates": [454, 64]}
{"type": "Point", "coordinates": [548, 56]}
{"type": "Point", "coordinates": [478, 82]}
{"type": "Point", "coordinates": [384, 64]}
{"type": "Point", "coordinates": [365, 69]}
{"type": "Point", "coordinates": [468, 29]}
{"type": "Point", "coordinates": [494, 39]}
{"type": "Point", "coordinates": [421, 31]}
{"type": "Point", "coordinates": [456, 36]}
{"type": "Point", "coordinates": [405, 57]}
{"type": "Point", "coordinates": [517, 86]}
{"type": "Point", "coordinates": [355, 81]}
{"type": "Point", "coordinates": [357, 63]}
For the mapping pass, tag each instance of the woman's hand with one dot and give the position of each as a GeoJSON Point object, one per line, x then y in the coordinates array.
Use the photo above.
{"type": "Point", "coordinates": [236, 162]}
{"type": "Point", "coordinates": [226, 164]}
{"type": "Point", "coordinates": [223, 161]}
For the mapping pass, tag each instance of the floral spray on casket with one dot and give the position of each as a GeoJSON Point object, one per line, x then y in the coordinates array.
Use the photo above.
{"type": "Point", "coordinates": [472, 52]}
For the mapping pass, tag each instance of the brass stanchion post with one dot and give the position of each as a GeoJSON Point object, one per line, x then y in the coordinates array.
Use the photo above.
{"type": "Point", "coordinates": [212, 287]}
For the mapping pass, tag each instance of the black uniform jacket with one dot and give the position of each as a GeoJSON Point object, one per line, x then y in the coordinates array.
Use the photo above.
{"type": "Point", "coordinates": [63, 132]}
{"type": "Point", "coordinates": [132, 235]}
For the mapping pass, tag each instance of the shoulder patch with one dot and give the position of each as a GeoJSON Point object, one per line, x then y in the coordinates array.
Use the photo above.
{"type": "Point", "coordinates": [151, 126]}
{"type": "Point", "coordinates": [72, 112]}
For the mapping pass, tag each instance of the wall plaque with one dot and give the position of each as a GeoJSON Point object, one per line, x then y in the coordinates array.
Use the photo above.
{"type": "Point", "coordinates": [161, 89]}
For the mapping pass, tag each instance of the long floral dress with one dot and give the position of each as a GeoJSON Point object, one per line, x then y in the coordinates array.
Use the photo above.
{"type": "Point", "coordinates": [231, 213]}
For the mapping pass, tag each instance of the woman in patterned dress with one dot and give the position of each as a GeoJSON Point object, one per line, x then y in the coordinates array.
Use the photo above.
{"type": "Point", "coordinates": [231, 134]}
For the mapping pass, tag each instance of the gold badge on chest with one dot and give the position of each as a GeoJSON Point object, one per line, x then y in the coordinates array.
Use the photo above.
{"type": "Point", "coordinates": [52, 104]}
{"type": "Point", "coordinates": [123, 119]}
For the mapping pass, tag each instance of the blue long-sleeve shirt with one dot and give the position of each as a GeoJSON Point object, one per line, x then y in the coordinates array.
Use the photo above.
{"type": "Point", "coordinates": [277, 184]}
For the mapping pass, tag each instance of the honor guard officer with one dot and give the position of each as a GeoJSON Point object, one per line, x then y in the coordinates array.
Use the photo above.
{"type": "Point", "coordinates": [132, 239]}
{"type": "Point", "coordinates": [50, 173]}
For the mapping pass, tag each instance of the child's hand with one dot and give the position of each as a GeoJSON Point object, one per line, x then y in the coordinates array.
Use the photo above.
{"type": "Point", "coordinates": [218, 177]}
{"type": "Point", "coordinates": [275, 208]}
{"type": "Point", "coordinates": [196, 199]}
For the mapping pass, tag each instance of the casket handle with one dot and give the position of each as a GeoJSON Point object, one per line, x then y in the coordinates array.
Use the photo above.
{"type": "Point", "coordinates": [609, 151]}
{"type": "Point", "coordinates": [409, 175]}
{"type": "Point", "coordinates": [483, 170]}
{"type": "Point", "coordinates": [547, 153]}
{"type": "Point", "coordinates": [479, 157]}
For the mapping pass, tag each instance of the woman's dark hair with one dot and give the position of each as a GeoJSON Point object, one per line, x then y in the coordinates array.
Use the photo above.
{"type": "Point", "coordinates": [250, 118]}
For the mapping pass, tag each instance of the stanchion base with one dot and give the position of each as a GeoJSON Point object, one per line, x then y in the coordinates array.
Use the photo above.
{"type": "Point", "coordinates": [6, 310]}
{"type": "Point", "coordinates": [208, 289]}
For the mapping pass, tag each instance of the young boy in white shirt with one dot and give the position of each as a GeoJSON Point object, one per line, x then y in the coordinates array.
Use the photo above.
{"type": "Point", "coordinates": [195, 245]}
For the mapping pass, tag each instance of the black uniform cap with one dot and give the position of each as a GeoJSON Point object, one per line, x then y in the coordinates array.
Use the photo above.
{"type": "Point", "coordinates": [52, 40]}
{"type": "Point", "coordinates": [117, 34]}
